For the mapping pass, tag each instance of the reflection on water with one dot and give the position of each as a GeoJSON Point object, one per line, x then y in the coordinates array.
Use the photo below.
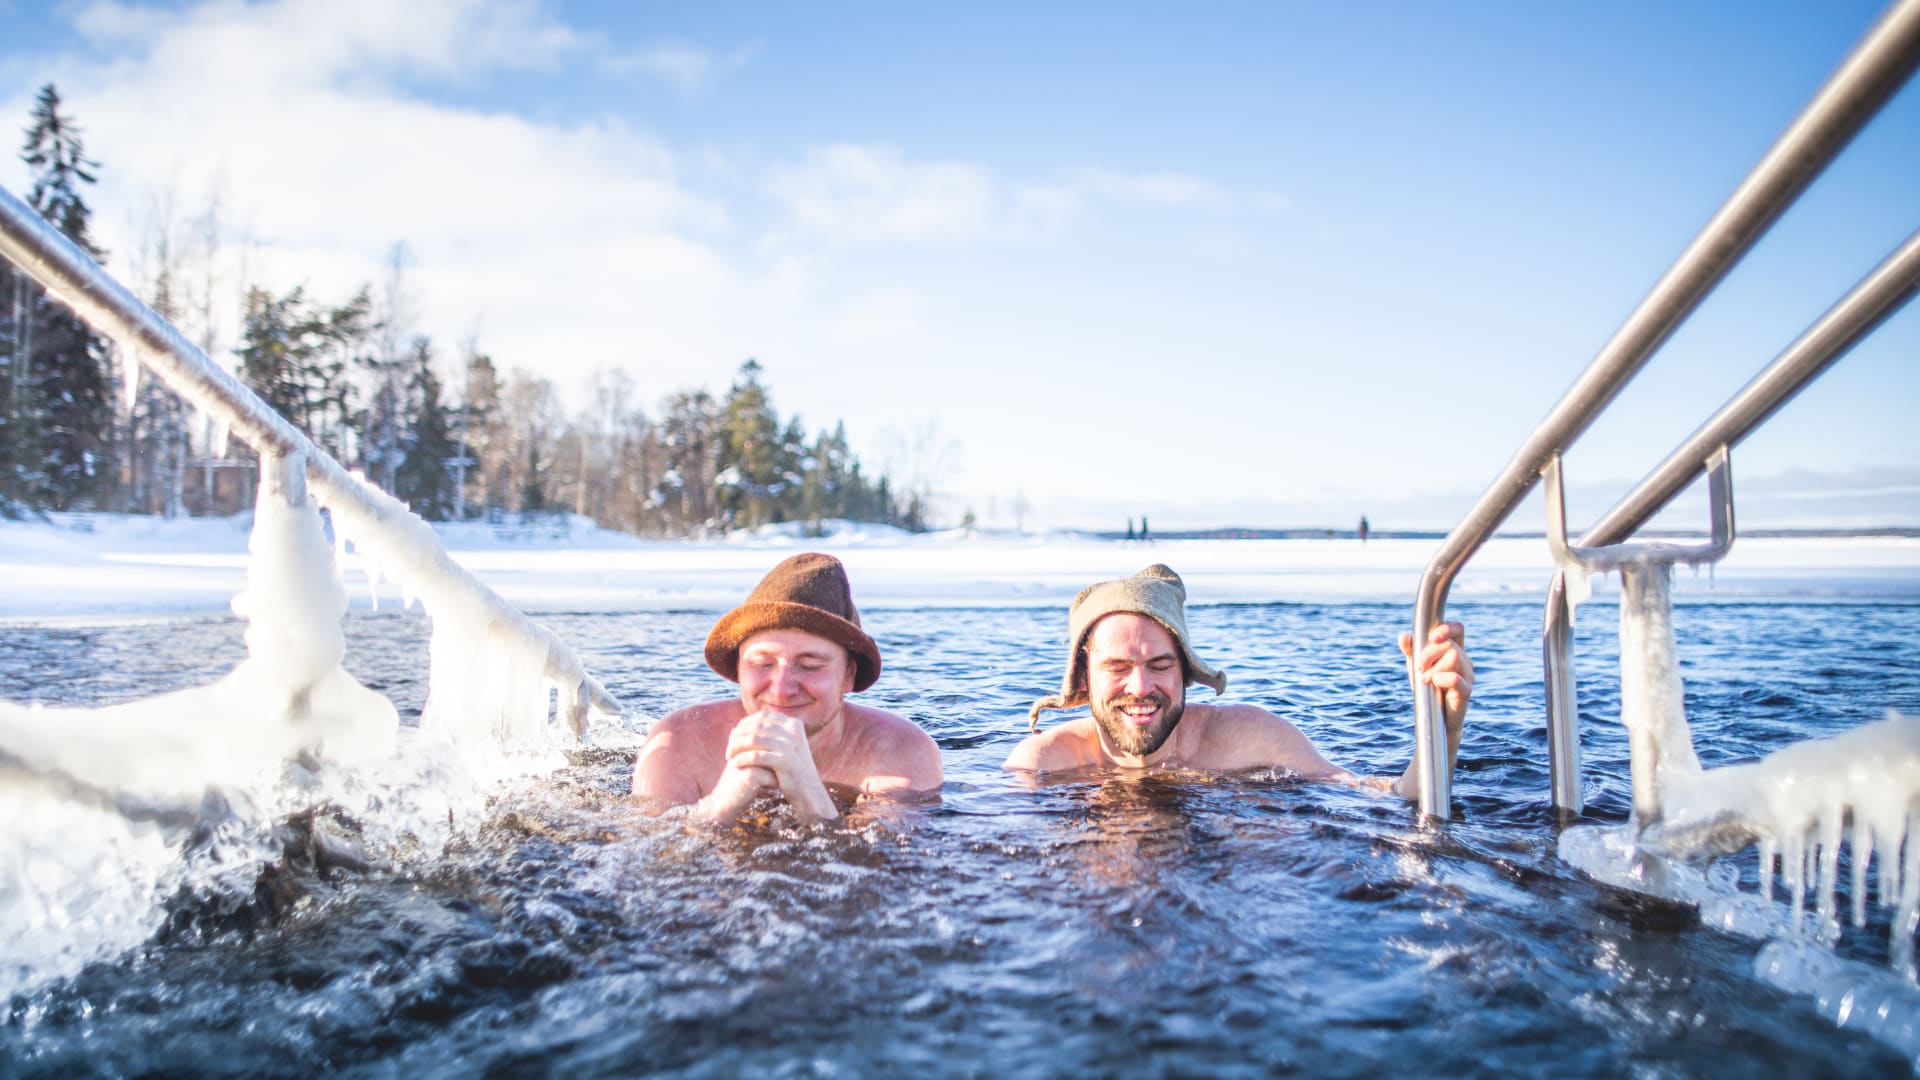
{"type": "Point", "coordinates": [1162, 924]}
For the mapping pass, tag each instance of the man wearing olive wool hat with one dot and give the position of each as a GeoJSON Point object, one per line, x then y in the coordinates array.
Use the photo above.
{"type": "Point", "coordinates": [1130, 660]}
{"type": "Point", "coordinates": [796, 649]}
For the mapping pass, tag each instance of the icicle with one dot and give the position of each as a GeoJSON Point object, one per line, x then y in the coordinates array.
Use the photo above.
{"type": "Point", "coordinates": [1905, 916]}
{"type": "Point", "coordinates": [1652, 697]}
{"type": "Point", "coordinates": [1793, 860]}
{"type": "Point", "coordinates": [1862, 841]}
{"type": "Point", "coordinates": [1828, 915]}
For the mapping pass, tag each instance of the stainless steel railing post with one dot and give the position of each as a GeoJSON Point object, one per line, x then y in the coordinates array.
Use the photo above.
{"type": "Point", "coordinates": [1563, 706]}
{"type": "Point", "coordinates": [1870, 75]}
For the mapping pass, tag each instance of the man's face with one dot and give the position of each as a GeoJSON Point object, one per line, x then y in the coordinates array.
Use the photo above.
{"type": "Point", "coordinates": [1135, 682]}
{"type": "Point", "coordinates": [791, 671]}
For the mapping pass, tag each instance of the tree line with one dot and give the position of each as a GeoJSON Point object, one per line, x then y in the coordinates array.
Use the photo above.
{"type": "Point", "coordinates": [81, 430]}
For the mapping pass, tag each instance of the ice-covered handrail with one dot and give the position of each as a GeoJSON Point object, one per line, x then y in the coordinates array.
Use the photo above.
{"type": "Point", "coordinates": [1884, 291]}
{"type": "Point", "coordinates": [1876, 69]}
{"type": "Point", "coordinates": [469, 619]}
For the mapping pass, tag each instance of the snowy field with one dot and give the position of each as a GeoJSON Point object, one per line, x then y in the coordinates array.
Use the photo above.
{"type": "Point", "coordinates": [102, 565]}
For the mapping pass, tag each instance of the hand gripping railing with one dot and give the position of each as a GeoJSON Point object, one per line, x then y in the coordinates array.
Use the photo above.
{"type": "Point", "coordinates": [374, 518]}
{"type": "Point", "coordinates": [1864, 82]}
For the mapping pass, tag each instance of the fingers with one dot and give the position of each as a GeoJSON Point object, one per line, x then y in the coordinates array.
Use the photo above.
{"type": "Point", "coordinates": [762, 760]}
{"type": "Point", "coordinates": [1441, 634]}
{"type": "Point", "coordinates": [766, 729]}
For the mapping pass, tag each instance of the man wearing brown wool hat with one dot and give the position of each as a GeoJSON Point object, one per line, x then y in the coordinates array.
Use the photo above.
{"type": "Point", "coordinates": [1130, 661]}
{"type": "Point", "coordinates": [796, 649]}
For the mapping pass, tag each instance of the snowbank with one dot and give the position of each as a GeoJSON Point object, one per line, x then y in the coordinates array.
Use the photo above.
{"type": "Point", "coordinates": [106, 565]}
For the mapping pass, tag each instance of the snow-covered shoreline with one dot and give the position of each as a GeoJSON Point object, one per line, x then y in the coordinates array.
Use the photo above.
{"type": "Point", "coordinates": [107, 565]}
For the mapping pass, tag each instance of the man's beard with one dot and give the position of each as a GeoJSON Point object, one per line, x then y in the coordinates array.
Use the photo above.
{"type": "Point", "coordinates": [1127, 738]}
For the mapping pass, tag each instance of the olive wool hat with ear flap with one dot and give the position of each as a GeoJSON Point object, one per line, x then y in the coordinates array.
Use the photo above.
{"type": "Point", "coordinates": [806, 592]}
{"type": "Point", "coordinates": [1156, 592]}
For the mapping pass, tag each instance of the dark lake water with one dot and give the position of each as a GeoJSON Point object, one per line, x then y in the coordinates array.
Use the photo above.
{"type": "Point", "coordinates": [1171, 925]}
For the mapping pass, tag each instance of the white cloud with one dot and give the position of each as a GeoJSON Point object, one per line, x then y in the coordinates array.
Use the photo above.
{"type": "Point", "coordinates": [333, 38]}
{"type": "Point", "coordinates": [867, 195]}
{"type": "Point", "coordinates": [1161, 189]}
{"type": "Point", "coordinates": [569, 246]}
{"type": "Point", "coordinates": [688, 69]}
{"type": "Point", "coordinates": [885, 315]}
{"type": "Point", "coordinates": [873, 195]}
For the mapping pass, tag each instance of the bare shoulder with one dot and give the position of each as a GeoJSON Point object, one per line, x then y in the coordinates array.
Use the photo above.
{"type": "Point", "coordinates": [1240, 736]}
{"type": "Point", "coordinates": [1072, 745]}
{"type": "Point", "coordinates": [894, 752]}
{"type": "Point", "coordinates": [701, 722]}
{"type": "Point", "coordinates": [685, 751]}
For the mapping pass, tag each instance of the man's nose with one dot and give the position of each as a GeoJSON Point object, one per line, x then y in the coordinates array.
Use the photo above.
{"type": "Point", "coordinates": [1137, 683]}
{"type": "Point", "coordinates": [785, 680]}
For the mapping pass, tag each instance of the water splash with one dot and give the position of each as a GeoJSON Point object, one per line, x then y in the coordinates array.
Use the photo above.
{"type": "Point", "coordinates": [107, 815]}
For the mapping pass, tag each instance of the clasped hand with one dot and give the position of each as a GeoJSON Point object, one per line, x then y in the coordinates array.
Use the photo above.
{"type": "Point", "coordinates": [768, 750]}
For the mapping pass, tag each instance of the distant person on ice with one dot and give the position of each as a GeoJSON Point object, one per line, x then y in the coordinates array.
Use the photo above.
{"type": "Point", "coordinates": [796, 649]}
{"type": "Point", "coordinates": [1129, 659]}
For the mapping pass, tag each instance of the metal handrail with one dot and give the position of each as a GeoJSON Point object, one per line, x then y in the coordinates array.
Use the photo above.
{"type": "Point", "coordinates": [1876, 69]}
{"type": "Point", "coordinates": [1873, 301]}
{"type": "Point", "coordinates": [1884, 291]}
{"type": "Point", "coordinates": [40, 251]}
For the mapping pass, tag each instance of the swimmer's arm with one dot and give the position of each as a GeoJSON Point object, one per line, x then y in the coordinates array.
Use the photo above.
{"type": "Point", "coordinates": [666, 774]}
{"type": "Point", "coordinates": [909, 766]}
{"type": "Point", "coordinates": [664, 770]}
{"type": "Point", "coordinates": [1054, 750]}
{"type": "Point", "coordinates": [1249, 737]}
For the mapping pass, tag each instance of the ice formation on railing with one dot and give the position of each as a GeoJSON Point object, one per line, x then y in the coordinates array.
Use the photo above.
{"type": "Point", "coordinates": [1801, 806]}
{"type": "Point", "coordinates": [495, 677]}
{"type": "Point", "coordinates": [495, 674]}
{"type": "Point", "coordinates": [106, 814]}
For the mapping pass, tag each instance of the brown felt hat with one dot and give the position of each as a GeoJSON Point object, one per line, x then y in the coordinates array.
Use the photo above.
{"type": "Point", "coordinates": [805, 592]}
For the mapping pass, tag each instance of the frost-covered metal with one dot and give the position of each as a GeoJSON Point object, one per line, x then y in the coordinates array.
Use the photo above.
{"type": "Point", "coordinates": [493, 669]}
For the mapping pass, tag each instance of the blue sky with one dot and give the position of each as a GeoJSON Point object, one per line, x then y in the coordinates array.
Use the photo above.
{"type": "Point", "coordinates": [1267, 264]}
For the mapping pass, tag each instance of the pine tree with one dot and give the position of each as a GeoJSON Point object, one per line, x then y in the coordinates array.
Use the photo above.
{"type": "Point", "coordinates": [16, 439]}
{"type": "Point", "coordinates": [690, 439]}
{"type": "Point", "coordinates": [61, 437]}
{"type": "Point", "coordinates": [486, 438]}
{"type": "Point", "coordinates": [268, 364]}
{"type": "Point", "coordinates": [298, 359]}
{"type": "Point", "coordinates": [761, 464]}
{"type": "Point", "coordinates": [60, 165]}
{"type": "Point", "coordinates": [421, 478]}
{"type": "Point", "coordinates": [533, 488]}
{"type": "Point", "coordinates": [530, 419]}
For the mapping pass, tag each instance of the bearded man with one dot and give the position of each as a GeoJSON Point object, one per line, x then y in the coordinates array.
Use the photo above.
{"type": "Point", "coordinates": [796, 649]}
{"type": "Point", "coordinates": [1130, 661]}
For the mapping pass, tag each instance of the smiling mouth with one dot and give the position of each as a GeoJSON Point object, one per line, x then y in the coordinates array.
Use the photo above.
{"type": "Point", "coordinates": [1140, 713]}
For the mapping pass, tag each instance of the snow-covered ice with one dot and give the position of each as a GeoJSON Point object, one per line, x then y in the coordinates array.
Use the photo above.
{"type": "Point", "coordinates": [104, 565]}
